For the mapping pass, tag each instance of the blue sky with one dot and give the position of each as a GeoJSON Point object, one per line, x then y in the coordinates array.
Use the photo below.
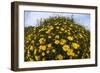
{"type": "Point", "coordinates": [32, 17]}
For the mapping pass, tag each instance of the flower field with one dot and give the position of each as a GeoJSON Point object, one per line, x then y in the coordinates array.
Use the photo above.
{"type": "Point", "coordinates": [56, 38]}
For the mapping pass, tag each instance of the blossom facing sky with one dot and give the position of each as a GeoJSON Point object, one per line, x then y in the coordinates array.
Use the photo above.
{"type": "Point", "coordinates": [58, 38]}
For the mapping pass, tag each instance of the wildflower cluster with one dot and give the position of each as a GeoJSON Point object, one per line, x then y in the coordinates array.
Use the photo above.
{"type": "Point", "coordinates": [56, 38]}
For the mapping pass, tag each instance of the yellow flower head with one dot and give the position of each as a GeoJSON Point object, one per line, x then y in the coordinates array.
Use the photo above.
{"type": "Point", "coordinates": [29, 35]}
{"type": "Point", "coordinates": [56, 41]}
{"type": "Point", "coordinates": [63, 41]}
{"type": "Point", "coordinates": [37, 58]}
{"type": "Point", "coordinates": [70, 53]}
{"type": "Point", "coordinates": [48, 31]}
{"type": "Point", "coordinates": [49, 36]}
{"type": "Point", "coordinates": [42, 40]}
{"type": "Point", "coordinates": [49, 45]}
{"type": "Point", "coordinates": [66, 47]}
{"type": "Point", "coordinates": [70, 38]}
{"type": "Point", "coordinates": [35, 51]}
{"type": "Point", "coordinates": [53, 50]}
{"type": "Point", "coordinates": [31, 59]}
{"type": "Point", "coordinates": [32, 41]}
{"type": "Point", "coordinates": [41, 35]}
{"type": "Point", "coordinates": [42, 47]}
{"type": "Point", "coordinates": [60, 57]}
{"type": "Point", "coordinates": [66, 31]}
{"type": "Point", "coordinates": [57, 27]}
{"type": "Point", "coordinates": [81, 36]}
{"type": "Point", "coordinates": [75, 45]}
{"type": "Point", "coordinates": [31, 47]}
{"type": "Point", "coordinates": [62, 29]}
{"type": "Point", "coordinates": [47, 51]}
{"type": "Point", "coordinates": [56, 23]}
{"type": "Point", "coordinates": [43, 54]}
{"type": "Point", "coordinates": [57, 37]}
{"type": "Point", "coordinates": [28, 53]}
{"type": "Point", "coordinates": [60, 32]}
{"type": "Point", "coordinates": [34, 37]}
{"type": "Point", "coordinates": [51, 27]}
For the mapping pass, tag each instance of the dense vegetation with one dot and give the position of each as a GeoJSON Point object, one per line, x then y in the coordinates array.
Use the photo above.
{"type": "Point", "coordinates": [56, 38]}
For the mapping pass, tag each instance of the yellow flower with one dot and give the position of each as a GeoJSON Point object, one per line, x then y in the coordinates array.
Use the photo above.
{"type": "Point", "coordinates": [49, 36]}
{"type": "Point", "coordinates": [66, 31]}
{"type": "Point", "coordinates": [49, 45]}
{"type": "Point", "coordinates": [32, 41]}
{"type": "Point", "coordinates": [28, 39]}
{"type": "Point", "coordinates": [75, 45]}
{"type": "Point", "coordinates": [56, 23]}
{"type": "Point", "coordinates": [42, 47]}
{"type": "Point", "coordinates": [35, 51]}
{"type": "Point", "coordinates": [57, 27]}
{"type": "Point", "coordinates": [29, 36]}
{"type": "Point", "coordinates": [70, 28]}
{"type": "Point", "coordinates": [41, 35]}
{"type": "Point", "coordinates": [47, 51]}
{"type": "Point", "coordinates": [28, 53]}
{"type": "Point", "coordinates": [42, 40]}
{"type": "Point", "coordinates": [57, 37]}
{"type": "Point", "coordinates": [70, 38]}
{"type": "Point", "coordinates": [69, 33]}
{"type": "Point", "coordinates": [51, 27]}
{"type": "Point", "coordinates": [62, 29]}
{"type": "Point", "coordinates": [60, 32]}
{"type": "Point", "coordinates": [78, 52]}
{"type": "Point", "coordinates": [60, 57]}
{"type": "Point", "coordinates": [31, 59]}
{"type": "Point", "coordinates": [66, 47]}
{"type": "Point", "coordinates": [53, 50]}
{"type": "Point", "coordinates": [43, 53]}
{"type": "Point", "coordinates": [57, 41]}
{"type": "Point", "coordinates": [48, 31]}
{"type": "Point", "coordinates": [31, 48]}
{"type": "Point", "coordinates": [71, 25]}
{"type": "Point", "coordinates": [64, 22]}
{"type": "Point", "coordinates": [34, 37]}
{"type": "Point", "coordinates": [82, 31]}
{"type": "Point", "coordinates": [70, 53]}
{"type": "Point", "coordinates": [37, 58]}
{"type": "Point", "coordinates": [63, 41]}
{"type": "Point", "coordinates": [81, 36]}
